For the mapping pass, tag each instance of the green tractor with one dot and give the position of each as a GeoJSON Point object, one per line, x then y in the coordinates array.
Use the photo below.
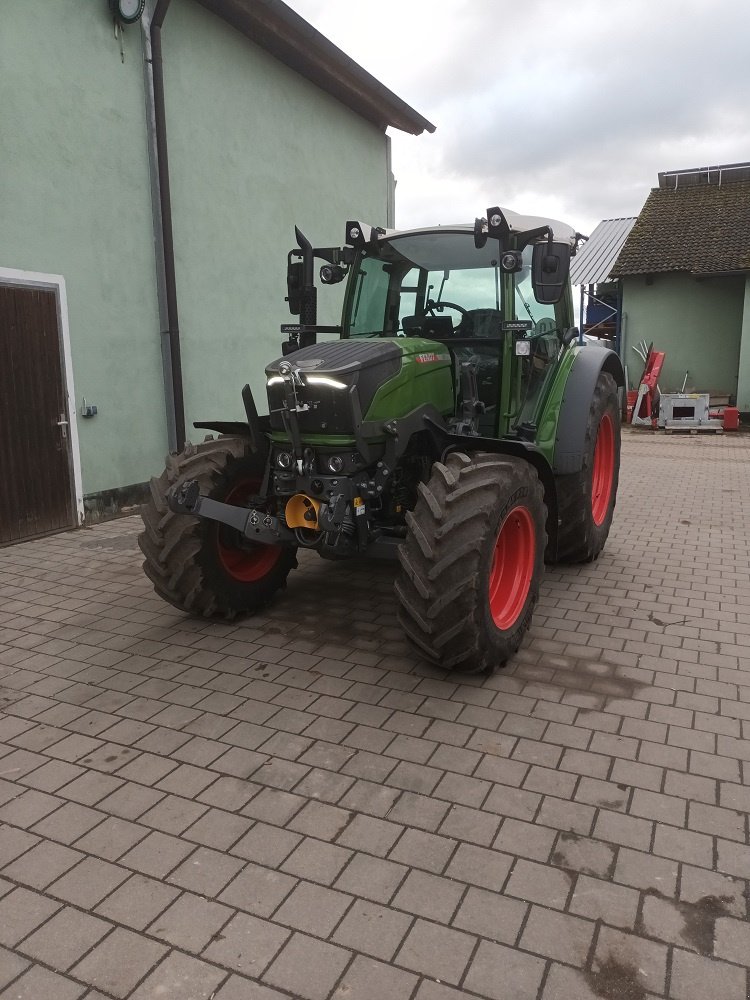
{"type": "Point", "coordinates": [457, 424]}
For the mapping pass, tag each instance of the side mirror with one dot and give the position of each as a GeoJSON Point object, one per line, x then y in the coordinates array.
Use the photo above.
{"type": "Point", "coordinates": [550, 267]}
{"type": "Point", "coordinates": [294, 286]}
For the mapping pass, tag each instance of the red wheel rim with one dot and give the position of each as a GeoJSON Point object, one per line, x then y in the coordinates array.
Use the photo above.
{"type": "Point", "coordinates": [604, 470]}
{"type": "Point", "coordinates": [253, 561]}
{"type": "Point", "coordinates": [512, 567]}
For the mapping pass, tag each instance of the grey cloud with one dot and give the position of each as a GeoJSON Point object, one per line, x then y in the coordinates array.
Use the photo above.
{"type": "Point", "coordinates": [577, 104]}
{"type": "Point", "coordinates": [598, 130]}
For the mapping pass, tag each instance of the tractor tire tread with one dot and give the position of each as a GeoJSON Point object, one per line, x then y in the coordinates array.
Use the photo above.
{"type": "Point", "coordinates": [172, 543]}
{"type": "Point", "coordinates": [578, 541]}
{"type": "Point", "coordinates": [438, 587]}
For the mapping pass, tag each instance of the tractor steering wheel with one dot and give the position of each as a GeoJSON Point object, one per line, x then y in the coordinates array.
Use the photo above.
{"type": "Point", "coordinates": [435, 307]}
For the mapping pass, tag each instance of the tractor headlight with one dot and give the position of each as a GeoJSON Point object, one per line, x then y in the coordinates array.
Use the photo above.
{"type": "Point", "coordinates": [332, 383]}
{"type": "Point", "coordinates": [335, 464]}
{"type": "Point", "coordinates": [511, 261]}
{"type": "Point", "coordinates": [331, 274]}
{"type": "Point", "coordinates": [284, 460]}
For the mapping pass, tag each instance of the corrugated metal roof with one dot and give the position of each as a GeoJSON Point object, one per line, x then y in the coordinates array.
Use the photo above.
{"type": "Point", "coordinates": [595, 259]}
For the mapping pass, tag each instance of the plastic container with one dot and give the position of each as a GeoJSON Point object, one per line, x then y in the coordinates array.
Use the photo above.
{"type": "Point", "coordinates": [731, 418]}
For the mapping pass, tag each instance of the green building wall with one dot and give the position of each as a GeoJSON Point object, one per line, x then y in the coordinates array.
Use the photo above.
{"type": "Point", "coordinates": [75, 201]}
{"type": "Point", "coordinates": [254, 148]}
{"type": "Point", "coordinates": [743, 390]}
{"type": "Point", "coordinates": [697, 323]}
{"type": "Point", "coordinates": [254, 151]}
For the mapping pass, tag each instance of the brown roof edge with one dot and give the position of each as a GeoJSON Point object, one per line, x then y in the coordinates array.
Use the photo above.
{"type": "Point", "coordinates": [290, 39]}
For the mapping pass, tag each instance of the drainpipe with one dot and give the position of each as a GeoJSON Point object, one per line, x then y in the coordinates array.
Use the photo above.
{"type": "Point", "coordinates": [390, 180]}
{"type": "Point", "coordinates": [162, 220]}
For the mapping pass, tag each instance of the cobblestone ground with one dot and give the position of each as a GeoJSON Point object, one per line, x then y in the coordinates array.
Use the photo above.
{"type": "Point", "coordinates": [296, 806]}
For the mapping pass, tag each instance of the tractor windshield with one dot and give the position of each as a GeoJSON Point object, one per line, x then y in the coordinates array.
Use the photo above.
{"type": "Point", "coordinates": [440, 275]}
{"type": "Point", "coordinates": [438, 285]}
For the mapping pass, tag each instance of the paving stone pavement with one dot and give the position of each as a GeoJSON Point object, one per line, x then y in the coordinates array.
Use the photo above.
{"type": "Point", "coordinates": [295, 806]}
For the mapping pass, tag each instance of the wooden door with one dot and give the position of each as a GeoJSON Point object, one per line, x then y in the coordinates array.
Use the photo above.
{"type": "Point", "coordinates": [36, 494]}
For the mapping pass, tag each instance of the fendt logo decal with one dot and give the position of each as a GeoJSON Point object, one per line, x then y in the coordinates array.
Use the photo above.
{"type": "Point", "coordinates": [423, 359]}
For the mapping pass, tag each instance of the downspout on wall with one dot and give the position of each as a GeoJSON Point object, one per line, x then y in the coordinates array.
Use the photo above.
{"type": "Point", "coordinates": [162, 220]}
{"type": "Point", "coordinates": [390, 180]}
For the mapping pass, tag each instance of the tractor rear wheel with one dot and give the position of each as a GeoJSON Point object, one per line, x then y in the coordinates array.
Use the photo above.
{"type": "Point", "coordinates": [586, 499]}
{"type": "Point", "coordinates": [201, 566]}
{"type": "Point", "coordinates": [472, 561]}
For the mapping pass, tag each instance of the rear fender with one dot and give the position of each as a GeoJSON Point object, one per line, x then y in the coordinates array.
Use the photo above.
{"type": "Point", "coordinates": [570, 436]}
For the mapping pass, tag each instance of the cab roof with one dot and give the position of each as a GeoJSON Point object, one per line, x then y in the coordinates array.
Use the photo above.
{"type": "Point", "coordinates": [518, 224]}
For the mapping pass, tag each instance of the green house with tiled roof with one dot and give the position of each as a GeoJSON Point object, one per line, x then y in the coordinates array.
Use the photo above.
{"type": "Point", "coordinates": [685, 272]}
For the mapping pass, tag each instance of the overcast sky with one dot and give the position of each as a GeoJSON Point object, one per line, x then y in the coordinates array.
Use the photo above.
{"type": "Point", "coordinates": [564, 108]}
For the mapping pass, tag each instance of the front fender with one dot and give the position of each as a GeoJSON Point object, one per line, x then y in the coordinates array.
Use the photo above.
{"type": "Point", "coordinates": [518, 448]}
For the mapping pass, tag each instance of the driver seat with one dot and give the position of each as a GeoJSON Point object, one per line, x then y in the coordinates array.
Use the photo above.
{"type": "Point", "coordinates": [482, 323]}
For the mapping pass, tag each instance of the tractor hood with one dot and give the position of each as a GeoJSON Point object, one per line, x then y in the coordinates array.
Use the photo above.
{"type": "Point", "coordinates": [337, 366]}
{"type": "Point", "coordinates": [344, 382]}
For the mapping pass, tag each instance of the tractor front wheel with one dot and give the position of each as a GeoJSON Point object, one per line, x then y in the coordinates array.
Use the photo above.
{"type": "Point", "coordinates": [586, 499]}
{"type": "Point", "coordinates": [472, 561]}
{"type": "Point", "coordinates": [201, 566]}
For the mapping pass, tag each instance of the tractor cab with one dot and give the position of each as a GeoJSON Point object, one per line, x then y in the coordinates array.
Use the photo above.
{"type": "Point", "coordinates": [438, 285]}
{"type": "Point", "coordinates": [495, 294]}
